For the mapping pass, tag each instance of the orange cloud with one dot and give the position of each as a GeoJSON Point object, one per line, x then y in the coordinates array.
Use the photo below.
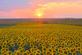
{"type": "Point", "coordinates": [59, 8]}
{"type": "Point", "coordinates": [21, 13]}
{"type": "Point", "coordinates": [47, 10]}
{"type": "Point", "coordinates": [18, 13]}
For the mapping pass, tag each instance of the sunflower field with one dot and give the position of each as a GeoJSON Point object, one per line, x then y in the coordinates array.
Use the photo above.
{"type": "Point", "coordinates": [47, 39]}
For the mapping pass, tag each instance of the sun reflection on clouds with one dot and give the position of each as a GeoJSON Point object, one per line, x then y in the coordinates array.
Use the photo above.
{"type": "Point", "coordinates": [56, 7]}
{"type": "Point", "coordinates": [45, 10]}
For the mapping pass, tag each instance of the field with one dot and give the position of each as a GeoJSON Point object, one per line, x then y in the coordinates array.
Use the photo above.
{"type": "Point", "coordinates": [41, 39]}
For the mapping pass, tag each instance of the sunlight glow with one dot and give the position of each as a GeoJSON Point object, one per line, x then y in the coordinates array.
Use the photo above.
{"type": "Point", "coordinates": [39, 13]}
{"type": "Point", "coordinates": [44, 10]}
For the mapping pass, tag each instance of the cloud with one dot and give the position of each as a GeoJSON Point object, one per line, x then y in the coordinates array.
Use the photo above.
{"type": "Point", "coordinates": [60, 8]}
{"type": "Point", "coordinates": [49, 10]}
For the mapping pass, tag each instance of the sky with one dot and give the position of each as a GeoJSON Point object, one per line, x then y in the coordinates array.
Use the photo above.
{"type": "Point", "coordinates": [40, 8]}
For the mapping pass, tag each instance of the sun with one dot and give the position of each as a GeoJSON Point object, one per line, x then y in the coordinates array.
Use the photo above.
{"type": "Point", "coordinates": [39, 15]}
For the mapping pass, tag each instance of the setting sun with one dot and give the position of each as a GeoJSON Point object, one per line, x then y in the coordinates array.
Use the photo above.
{"type": "Point", "coordinates": [39, 15]}
{"type": "Point", "coordinates": [39, 12]}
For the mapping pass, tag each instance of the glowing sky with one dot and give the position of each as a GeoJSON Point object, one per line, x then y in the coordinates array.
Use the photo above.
{"type": "Point", "coordinates": [40, 8]}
